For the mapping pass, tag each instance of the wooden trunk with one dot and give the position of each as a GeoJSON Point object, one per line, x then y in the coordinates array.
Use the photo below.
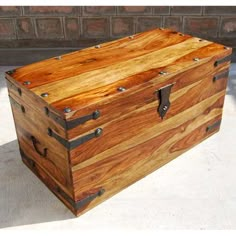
{"type": "Point", "coordinates": [92, 122]}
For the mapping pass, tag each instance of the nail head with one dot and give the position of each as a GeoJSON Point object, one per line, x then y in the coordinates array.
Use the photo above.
{"type": "Point", "coordinates": [121, 89]}
{"type": "Point", "coordinates": [96, 114]}
{"type": "Point", "coordinates": [26, 82]}
{"type": "Point", "coordinates": [165, 108]}
{"type": "Point", "coordinates": [162, 73]}
{"type": "Point", "coordinates": [98, 132]}
{"type": "Point", "coordinates": [44, 95]}
{"type": "Point", "coordinates": [67, 110]}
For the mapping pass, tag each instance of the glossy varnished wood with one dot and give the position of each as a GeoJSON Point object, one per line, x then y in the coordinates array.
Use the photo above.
{"type": "Point", "coordinates": [135, 140]}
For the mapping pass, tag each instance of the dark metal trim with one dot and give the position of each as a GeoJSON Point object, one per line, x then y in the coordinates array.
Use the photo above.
{"type": "Point", "coordinates": [222, 75]}
{"type": "Point", "coordinates": [13, 86]}
{"type": "Point", "coordinates": [79, 204]}
{"type": "Point", "coordinates": [58, 191]}
{"type": "Point", "coordinates": [26, 158]}
{"type": "Point", "coordinates": [213, 126]}
{"type": "Point", "coordinates": [164, 95]}
{"type": "Point", "coordinates": [35, 141]}
{"type": "Point", "coordinates": [10, 72]}
{"type": "Point", "coordinates": [75, 143]}
{"type": "Point", "coordinates": [222, 60]}
{"type": "Point", "coordinates": [72, 123]}
{"type": "Point", "coordinates": [16, 104]}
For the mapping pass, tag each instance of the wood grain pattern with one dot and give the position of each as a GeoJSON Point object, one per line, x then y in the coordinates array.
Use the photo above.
{"type": "Point", "coordinates": [135, 140]}
{"type": "Point", "coordinates": [125, 155]}
{"type": "Point", "coordinates": [144, 167]}
{"type": "Point", "coordinates": [148, 51]}
{"type": "Point", "coordinates": [56, 162]}
{"type": "Point", "coordinates": [146, 117]}
{"type": "Point", "coordinates": [135, 98]}
{"type": "Point", "coordinates": [48, 181]}
{"type": "Point", "coordinates": [92, 58]}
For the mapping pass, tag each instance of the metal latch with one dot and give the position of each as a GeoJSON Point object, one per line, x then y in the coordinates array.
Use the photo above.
{"type": "Point", "coordinates": [164, 94]}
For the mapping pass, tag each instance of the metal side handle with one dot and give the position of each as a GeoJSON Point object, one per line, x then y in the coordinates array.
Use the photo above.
{"type": "Point", "coordinates": [35, 141]}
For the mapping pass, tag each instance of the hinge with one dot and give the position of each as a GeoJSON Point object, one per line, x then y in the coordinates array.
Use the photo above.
{"type": "Point", "coordinates": [222, 75]}
{"type": "Point", "coordinates": [79, 204]}
{"type": "Point", "coordinates": [164, 95]}
{"type": "Point", "coordinates": [72, 123]}
{"type": "Point", "coordinates": [222, 60]}
{"type": "Point", "coordinates": [75, 143]}
{"type": "Point", "coordinates": [213, 126]}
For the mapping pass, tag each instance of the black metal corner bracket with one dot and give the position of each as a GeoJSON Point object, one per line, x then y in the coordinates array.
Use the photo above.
{"type": "Point", "coordinates": [222, 60]}
{"type": "Point", "coordinates": [10, 72]}
{"type": "Point", "coordinates": [67, 125]}
{"type": "Point", "coordinates": [16, 104]}
{"type": "Point", "coordinates": [13, 86]}
{"type": "Point", "coordinates": [79, 204]}
{"type": "Point", "coordinates": [164, 94]}
{"type": "Point", "coordinates": [213, 126]}
{"type": "Point", "coordinates": [222, 75]}
{"type": "Point", "coordinates": [75, 143]}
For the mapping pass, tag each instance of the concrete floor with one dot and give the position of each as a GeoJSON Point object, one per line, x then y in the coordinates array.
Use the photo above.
{"type": "Point", "coordinates": [195, 191]}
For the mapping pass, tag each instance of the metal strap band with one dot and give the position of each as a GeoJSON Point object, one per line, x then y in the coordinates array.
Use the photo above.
{"type": "Point", "coordinates": [13, 86]}
{"type": "Point", "coordinates": [72, 123]}
{"type": "Point", "coordinates": [213, 126]}
{"type": "Point", "coordinates": [222, 60]}
{"type": "Point", "coordinates": [75, 143]}
{"type": "Point", "coordinates": [30, 161]}
{"type": "Point", "coordinates": [223, 75]}
{"type": "Point", "coordinates": [78, 204]}
{"type": "Point", "coordinates": [16, 104]}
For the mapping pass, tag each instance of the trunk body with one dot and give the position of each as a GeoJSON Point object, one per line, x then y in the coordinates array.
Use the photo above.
{"type": "Point", "coordinates": [92, 122]}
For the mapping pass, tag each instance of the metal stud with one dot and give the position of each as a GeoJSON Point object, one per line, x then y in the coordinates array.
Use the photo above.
{"type": "Point", "coordinates": [101, 191]}
{"type": "Point", "coordinates": [200, 40]}
{"type": "Point", "coordinates": [227, 48]}
{"type": "Point", "coordinates": [10, 72]}
{"type": "Point", "coordinates": [44, 95]}
{"type": "Point", "coordinates": [181, 34]}
{"type": "Point", "coordinates": [98, 132]}
{"type": "Point", "coordinates": [96, 114]}
{"type": "Point", "coordinates": [121, 89]}
{"type": "Point", "coordinates": [131, 37]}
{"type": "Point", "coordinates": [165, 108]}
{"type": "Point", "coordinates": [196, 59]}
{"type": "Point", "coordinates": [161, 28]}
{"type": "Point", "coordinates": [58, 57]}
{"type": "Point", "coordinates": [97, 46]}
{"type": "Point", "coordinates": [162, 73]}
{"type": "Point", "coordinates": [67, 110]}
{"type": "Point", "coordinates": [26, 82]}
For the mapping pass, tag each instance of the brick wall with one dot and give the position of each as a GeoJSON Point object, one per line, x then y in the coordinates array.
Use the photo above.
{"type": "Point", "coordinates": [37, 26]}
